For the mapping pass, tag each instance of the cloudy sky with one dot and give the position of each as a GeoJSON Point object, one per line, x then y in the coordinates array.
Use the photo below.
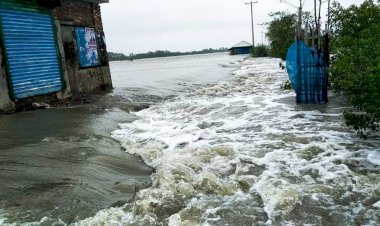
{"type": "Point", "coordinates": [136, 26]}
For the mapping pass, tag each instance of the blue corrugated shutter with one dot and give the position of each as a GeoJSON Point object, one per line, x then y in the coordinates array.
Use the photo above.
{"type": "Point", "coordinates": [31, 52]}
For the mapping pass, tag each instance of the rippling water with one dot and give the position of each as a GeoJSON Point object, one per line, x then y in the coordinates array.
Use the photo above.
{"type": "Point", "coordinates": [242, 152]}
{"type": "Point", "coordinates": [171, 75]}
{"type": "Point", "coordinates": [228, 146]}
{"type": "Point", "coordinates": [60, 165]}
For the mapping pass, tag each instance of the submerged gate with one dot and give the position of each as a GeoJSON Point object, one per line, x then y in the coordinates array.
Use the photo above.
{"type": "Point", "coordinates": [29, 45]}
{"type": "Point", "coordinates": [308, 73]}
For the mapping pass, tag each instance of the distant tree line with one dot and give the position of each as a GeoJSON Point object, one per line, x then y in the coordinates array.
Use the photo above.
{"type": "Point", "coordinates": [159, 53]}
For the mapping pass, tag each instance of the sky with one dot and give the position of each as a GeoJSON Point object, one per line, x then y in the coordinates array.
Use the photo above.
{"type": "Point", "coordinates": [138, 26]}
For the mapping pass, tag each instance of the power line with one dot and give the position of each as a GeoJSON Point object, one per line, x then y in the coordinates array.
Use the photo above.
{"type": "Point", "coordinates": [284, 1]}
{"type": "Point", "coordinates": [299, 15]}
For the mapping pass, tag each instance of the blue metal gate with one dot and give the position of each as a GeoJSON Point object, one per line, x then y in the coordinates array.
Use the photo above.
{"type": "Point", "coordinates": [31, 52]}
{"type": "Point", "coordinates": [308, 73]}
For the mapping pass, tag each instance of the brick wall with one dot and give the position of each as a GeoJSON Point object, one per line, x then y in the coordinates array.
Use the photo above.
{"type": "Point", "coordinates": [6, 105]}
{"type": "Point", "coordinates": [79, 13]}
{"type": "Point", "coordinates": [97, 17]}
{"type": "Point", "coordinates": [70, 14]}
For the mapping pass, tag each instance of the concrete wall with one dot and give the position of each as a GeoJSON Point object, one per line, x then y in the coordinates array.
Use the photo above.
{"type": "Point", "coordinates": [82, 80]}
{"type": "Point", "coordinates": [75, 13]}
{"type": "Point", "coordinates": [77, 80]}
{"type": "Point", "coordinates": [6, 105]}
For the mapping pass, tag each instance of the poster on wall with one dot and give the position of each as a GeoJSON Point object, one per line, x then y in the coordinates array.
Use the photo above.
{"type": "Point", "coordinates": [87, 47]}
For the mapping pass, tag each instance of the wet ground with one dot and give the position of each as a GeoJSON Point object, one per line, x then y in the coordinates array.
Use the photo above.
{"type": "Point", "coordinates": [242, 152]}
{"type": "Point", "coordinates": [61, 165]}
{"type": "Point", "coordinates": [226, 149]}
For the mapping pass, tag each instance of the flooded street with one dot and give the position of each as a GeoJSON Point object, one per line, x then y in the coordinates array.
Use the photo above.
{"type": "Point", "coordinates": [242, 152]}
{"type": "Point", "coordinates": [61, 165]}
{"type": "Point", "coordinates": [228, 147]}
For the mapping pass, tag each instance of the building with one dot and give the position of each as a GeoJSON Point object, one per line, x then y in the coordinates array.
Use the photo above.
{"type": "Point", "coordinates": [241, 48]}
{"type": "Point", "coordinates": [51, 49]}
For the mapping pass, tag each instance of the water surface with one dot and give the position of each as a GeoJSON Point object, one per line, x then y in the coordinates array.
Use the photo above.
{"type": "Point", "coordinates": [61, 165]}
{"type": "Point", "coordinates": [172, 75]}
{"type": "Point", "coordinates": [242, 152]}
{"type": "Point", "coordinates": [227, 144]}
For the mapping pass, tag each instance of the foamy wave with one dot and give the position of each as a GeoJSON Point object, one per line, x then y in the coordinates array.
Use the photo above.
{"type": "Point", "coordinates": [242, 152]}
{"type": "Point", "coordinates": [374, 157]}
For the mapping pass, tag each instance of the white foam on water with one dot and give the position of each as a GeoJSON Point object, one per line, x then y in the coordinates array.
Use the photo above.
{"type": "Point", "coordinates": [44, 221]}
{"type": "Point", "coordinates": [374, 157]}
{"type": "Point", "coordinates": [2, 218]}
{"type": "Point", "coordinates": [243, 152]}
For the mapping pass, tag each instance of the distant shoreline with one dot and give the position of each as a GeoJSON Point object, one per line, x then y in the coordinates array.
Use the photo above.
{"type": "Point", "coordinates": [159, 53]}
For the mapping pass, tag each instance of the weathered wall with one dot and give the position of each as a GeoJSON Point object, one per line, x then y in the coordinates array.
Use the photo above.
{"type": "Point", "coordinates": [70, 14]}
{"type": "Point", "coordinates": [67, 89]}
{"type": "Point", "coordinates": [82, 80]}
{"type": "Point", "coordinates": [6, 105]}
{"type": "Point", "coordinates": [79, 13]}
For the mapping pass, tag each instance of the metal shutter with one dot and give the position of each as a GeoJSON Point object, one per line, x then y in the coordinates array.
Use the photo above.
{"type": "Point", "coordinates": [31, 53]}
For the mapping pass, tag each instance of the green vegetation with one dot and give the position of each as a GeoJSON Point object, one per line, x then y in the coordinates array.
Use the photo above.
{"type": "Point", "coordinates": [287, 85]}
{"type": "Point", "coordinates": [281, 33]}
{"type": "Point", "coordinates": [261, 51]}
{"type": "Point", "coordinates": [159, 53]}
{"type": "Point", "coordinates": [356, 69]}
{"type": "Point", "coordinates": [355, 45]}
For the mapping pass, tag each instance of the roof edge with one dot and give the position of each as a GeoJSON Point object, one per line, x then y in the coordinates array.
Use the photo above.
{"type": "Point", "coordinates": [241, 44]}
{"type": "Point", "coordinates": [95, 1]}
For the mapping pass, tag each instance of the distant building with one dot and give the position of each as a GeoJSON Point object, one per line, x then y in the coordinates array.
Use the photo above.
{"type": "Point", "coordinates": [241, 48]}
{"type": "Point", "coordinates": [51, 49]}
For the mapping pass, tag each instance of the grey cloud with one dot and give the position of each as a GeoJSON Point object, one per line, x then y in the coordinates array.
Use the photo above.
{"type": "Point", "coordinates": [148, 25]}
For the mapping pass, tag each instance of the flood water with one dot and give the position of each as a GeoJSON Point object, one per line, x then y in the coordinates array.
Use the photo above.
{"type": "Point", "coordinates": [242, 152]}
{"type": "Point", "coordinates": [172, 75]}
{"type": "Point", "coordinates": [61, 165]}
{"type": "Point", "coordinates": [228, 147]}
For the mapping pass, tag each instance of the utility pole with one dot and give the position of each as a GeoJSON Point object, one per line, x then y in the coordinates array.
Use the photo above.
{"type": "Point", "coordinates": [299, 70]}
{"type": "Point", "coordinates": [299, 33]}
{"type": "Point", "coordinates": [253, 31]}
{"type": "Point", "coordinates": [328, 17]}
